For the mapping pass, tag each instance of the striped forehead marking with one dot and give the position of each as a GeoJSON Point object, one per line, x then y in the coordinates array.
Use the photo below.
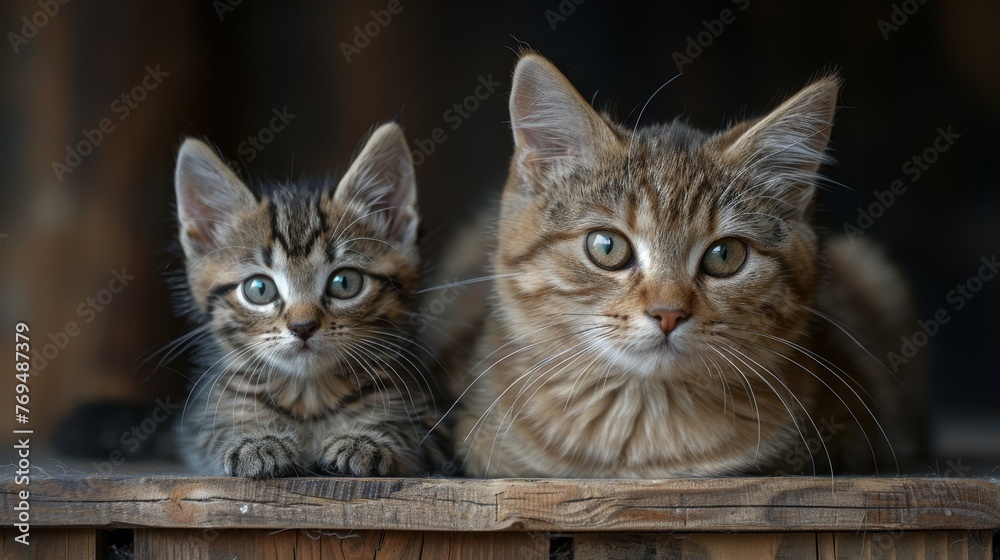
{"type": "Point", "coordinates": [297, 225]}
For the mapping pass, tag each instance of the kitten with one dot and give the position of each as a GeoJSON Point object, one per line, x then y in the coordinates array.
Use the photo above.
{"type": "Point", "coordinates": [654, 294]}
{"type": "Point", "coordinates": [300, 290]}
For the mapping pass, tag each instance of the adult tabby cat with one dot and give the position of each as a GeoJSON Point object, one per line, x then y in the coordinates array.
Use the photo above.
{"type": "Point", "coordinates": [300, 289]}
{"type": "Point", "coordinates": [661, 303]}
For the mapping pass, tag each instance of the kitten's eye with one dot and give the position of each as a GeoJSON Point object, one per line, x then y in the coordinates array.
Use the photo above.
{"type": "Point", "coordinates": [345, 283]}
{"type": "Point", "coordinates": [260, 290]}
{"type": "Point", "coordinates": [608, 249]}
{"type": "Point", "coordinates": [725, 257]}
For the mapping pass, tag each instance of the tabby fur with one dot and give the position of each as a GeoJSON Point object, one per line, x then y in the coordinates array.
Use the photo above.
{"type": "Point", "coordinates": [573, 375]}
{"type": "Point", "coordinates": [308, 383]}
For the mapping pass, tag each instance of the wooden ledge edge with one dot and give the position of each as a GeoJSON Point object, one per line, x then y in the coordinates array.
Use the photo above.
{"type": "Point", "coordinates": [755, 504]}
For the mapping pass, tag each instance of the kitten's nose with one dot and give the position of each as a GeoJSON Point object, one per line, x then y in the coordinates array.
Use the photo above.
{"type": "Point", "coordinates": [668, 318]}
{"type": "Point", "coordinates": [304, 329]}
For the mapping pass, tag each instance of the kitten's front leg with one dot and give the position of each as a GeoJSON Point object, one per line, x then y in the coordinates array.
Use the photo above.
{"type": "Point", "coordinates": [371, 450]}
{"type": "Point", "coordinates": [269, 455]}
{"type": "Point", "coordinates": [229, 440]}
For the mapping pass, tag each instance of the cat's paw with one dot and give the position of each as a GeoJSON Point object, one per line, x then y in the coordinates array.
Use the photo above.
{"type": "Point", "coordinates": [260, 457]}
{"type": "Point", "coordinates": [356, 455]}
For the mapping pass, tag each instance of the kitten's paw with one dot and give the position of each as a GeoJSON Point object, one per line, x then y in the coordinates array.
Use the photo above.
{"type": "Point", "coordinates": [356, 455]}
{"type": "Point", "coordinates": [260, 457]}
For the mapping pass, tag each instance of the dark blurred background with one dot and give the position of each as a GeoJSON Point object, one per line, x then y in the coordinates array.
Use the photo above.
{"type": "Point", "coordinates": [86, 212]}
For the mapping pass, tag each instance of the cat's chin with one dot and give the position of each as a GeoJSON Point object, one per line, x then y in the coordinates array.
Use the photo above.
{"type": "Point", "coordinates": [301, 361]}
{"type": "Point", "coordinates": [658, 359]}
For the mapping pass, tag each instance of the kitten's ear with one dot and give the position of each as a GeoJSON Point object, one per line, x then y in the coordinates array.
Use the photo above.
{"type": "Point", "coordinates": [553, 125]}
{"type": "Point", "coordinates": [788, 146]}
{"type": "Point", "coordinates": [209, 195]}
{"type": "Point", "coordinates": [381, 179]}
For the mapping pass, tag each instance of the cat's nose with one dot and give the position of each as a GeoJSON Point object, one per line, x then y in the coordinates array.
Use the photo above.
{"type": "Point", "coordinates": [668, 318]}
{"type": "Point", "coordinates": [304, 329]}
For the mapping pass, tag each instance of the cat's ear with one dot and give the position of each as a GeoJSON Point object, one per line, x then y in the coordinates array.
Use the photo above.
{"type": "Point", "coordinates": [382, 180]}
{"type": "Point", "coordinates": [786, 147]}
{"type": "Point", "coordinates": [209, 196]}
{"type": "Point", "coordinates": [553, 125]}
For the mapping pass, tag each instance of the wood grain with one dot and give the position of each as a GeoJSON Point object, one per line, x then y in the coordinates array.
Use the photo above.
{"type": "Point", "coordinates": [904, 545]}
{"type": "Point", "coordinates": [185, 544]}
{"type": "Point", "coordinates": [796, 504]}
{"type": "Point", "coordinates": [694, 546]}
{"type": "Point", "coordinates": [182, 544]}
{"type": "Point", "coordinates": [901, 545]}
{"type": "Point", "coordinates": [485, 546]}
{"type": "Point", "coordinates": [50, 544]}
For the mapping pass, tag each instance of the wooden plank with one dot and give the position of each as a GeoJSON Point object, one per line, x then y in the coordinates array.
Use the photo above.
{"type": "Point", "coordinates": [906, 545]}
{"type": "Point", "coordinates": [50, 544]}
{"type": "Point", "coordinates": [694, 546]}
{"type": "Point", "coordinates": [400, 545]}
{"type": "Point", "coordinates": [735, 546]}
{"type": "Point", "coordinates": [358, 545]}
{"type": "Point", "coordinates": [485, 546]}
{"type": "Point", "coordinates": [825, 547]}
{"type": "Point", "coordinates": [185, 544]}
{"type": "Point", "coordinates": [901, 545]}
{"type": "Point", "coordinates": [613, 546]}
{"type": "Point", "coordinates": [789, 504]}
{"type": "Point", "coordinates": [197, 545]}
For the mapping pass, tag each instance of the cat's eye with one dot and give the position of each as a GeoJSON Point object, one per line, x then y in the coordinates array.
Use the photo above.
{"type": "Point", "coordinates": [724, 257]}
{"type": "Point", "coordinates": [345, 283]}
{"type": "Point", "coordinates": [608, 249]}
{"type": "Point", "coordinates": [260, 290]}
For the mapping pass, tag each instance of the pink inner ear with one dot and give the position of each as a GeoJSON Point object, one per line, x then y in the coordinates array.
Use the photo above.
{"type": "Point", "coordinates": [200, 228]}
{"type": "Point", "coordinates": [198, 236]}
{"type": "Point", "coordinates": [193, 232]}
{"type": "Point", "coordinates": [202, 225]}
{"type": "Point", "coordinates": [399, 221]}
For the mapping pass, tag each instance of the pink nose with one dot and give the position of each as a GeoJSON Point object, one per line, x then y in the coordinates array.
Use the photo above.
{"type": "Point", "coordinates": [668, 318]}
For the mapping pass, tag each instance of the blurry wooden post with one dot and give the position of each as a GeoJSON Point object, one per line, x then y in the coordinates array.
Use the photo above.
{"type": "Point", "coordinates": [79, 224]}
{"type": "Point", "coordinates": [106, 211]}
{"type": "Point", "coordinates": [83, 249]}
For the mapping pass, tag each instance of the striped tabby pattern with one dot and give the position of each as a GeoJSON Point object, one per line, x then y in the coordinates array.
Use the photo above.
{"type": "Point", "coordinates": [654, 302]}
{"type": "Point", "coordinates": [301, 290]}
